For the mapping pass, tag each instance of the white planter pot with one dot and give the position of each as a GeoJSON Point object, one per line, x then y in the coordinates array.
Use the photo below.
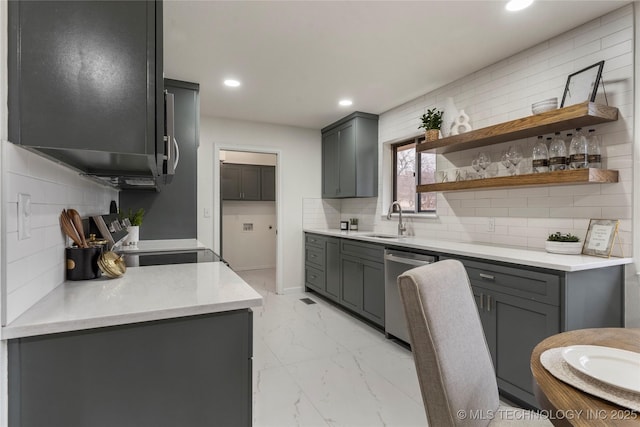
{"type": "Point", "coordinates": [133, 236]}
{"type": "Point", "coordinates": [571, 248]}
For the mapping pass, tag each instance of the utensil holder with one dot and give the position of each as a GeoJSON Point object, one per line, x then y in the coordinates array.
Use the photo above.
{"type": "Point", "coordinates": [82, 263]}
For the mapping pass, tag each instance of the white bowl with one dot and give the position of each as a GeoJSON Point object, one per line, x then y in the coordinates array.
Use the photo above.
{"type": "Point", "coordinates": [570, 248]}
{"type": "Point", "coordinates": [546, 105]}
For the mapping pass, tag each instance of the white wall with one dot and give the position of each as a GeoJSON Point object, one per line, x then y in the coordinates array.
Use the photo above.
{"type": "Point", "coordinates": [248, 158]}
{"type": "Point", "coordinates": [249, 249]}
{"type": "Point", "coordinates": [298, 177]}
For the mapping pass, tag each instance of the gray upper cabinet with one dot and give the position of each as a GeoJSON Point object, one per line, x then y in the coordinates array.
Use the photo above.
{"type": "Point", "coordinates": [84, 81]}
{"type": "Point", "coordinates": [247, 182]}
{"type": "Point", "coordinates": [350, 157]}
{"type": "Point", "coordinates": [268, 182]}
{"type": "Point", "coordinates": [171, 213]}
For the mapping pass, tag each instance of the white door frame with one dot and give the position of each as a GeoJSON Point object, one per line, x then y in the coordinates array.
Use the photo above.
{"type": "Point", "coordinates": [217, 208]}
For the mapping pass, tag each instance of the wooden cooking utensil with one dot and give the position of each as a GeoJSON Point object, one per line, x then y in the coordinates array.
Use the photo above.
{"type": "Point", "coordinates": [68, 229]}
{"type": "Point", "coordinates": [76, 220]}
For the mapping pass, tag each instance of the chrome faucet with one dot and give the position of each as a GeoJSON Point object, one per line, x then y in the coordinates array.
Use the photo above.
{"type": "Point", "coordinates": [401, 227]}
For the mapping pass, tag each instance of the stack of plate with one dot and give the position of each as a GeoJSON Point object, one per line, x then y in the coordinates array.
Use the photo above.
{"type": "Point", "coordinates": [112, 264]}
{"type": "Point", "coordinates": [546, 105]}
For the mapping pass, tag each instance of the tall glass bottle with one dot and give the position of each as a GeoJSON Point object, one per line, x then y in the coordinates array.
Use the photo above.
{"type": "Point", "coordinates": [594, 151]}
{"type": "Point", "coordinates": [578, 151]}
{"type": "Point", "coordinates": [540, 157]}
{"type": "Point", "coordinates": [557, 154]}
{"type": "Point", "coordinates": [567, 141]}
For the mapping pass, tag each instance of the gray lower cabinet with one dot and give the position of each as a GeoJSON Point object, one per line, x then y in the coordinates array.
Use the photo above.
{"type": "Point", "coordinates": [247, 182]}
{"type": "Point", "coordinates": [348, 272]}
{"type": "Point", "coordinates": [332, 270]}
{"type": "Point", "coordinates": [520, 306]}
{"type": "Point", "coordinates": [322, 265]}
{"type": "Point", "coordinates": [189, 371]}
{"type": "Point", "coordinates": [350, 157]}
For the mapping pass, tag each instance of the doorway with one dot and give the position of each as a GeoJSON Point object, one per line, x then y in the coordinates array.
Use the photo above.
{"type": "Point", "coordinates": [249, 215]}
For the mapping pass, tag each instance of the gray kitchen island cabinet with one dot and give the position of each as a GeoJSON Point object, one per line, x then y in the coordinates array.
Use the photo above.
{"type": "Point", "coordinates": [187, 371]}
{"type": "Point", "coordinates": [520, 306]}
{"type": "Point", "coordinates": [350, 157]}
{"type": "Point", "coordinates": [85, 83]}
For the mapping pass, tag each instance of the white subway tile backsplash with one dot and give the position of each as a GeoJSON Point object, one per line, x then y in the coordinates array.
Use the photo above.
{"type": "Point", "coordinates": [36, 265]}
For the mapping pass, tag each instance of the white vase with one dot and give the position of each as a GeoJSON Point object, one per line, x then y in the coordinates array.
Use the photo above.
{"type": "Point", "coordinates": [448, 117]}
{"type": "Point", "coordinates": [461, 124]}
{"type": "Point", "coordinates": [133, 236]}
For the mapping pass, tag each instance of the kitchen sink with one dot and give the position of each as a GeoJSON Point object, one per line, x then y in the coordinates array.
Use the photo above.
{"type": "Point", "coordinates": [383, 236]}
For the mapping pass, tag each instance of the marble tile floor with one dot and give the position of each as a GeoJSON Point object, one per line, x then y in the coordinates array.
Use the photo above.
{"type": "Point", "coordinates": [315, 365]}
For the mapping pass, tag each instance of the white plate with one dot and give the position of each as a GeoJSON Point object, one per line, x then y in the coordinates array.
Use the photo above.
{"type": "Point", "coordinates": [620, 368]}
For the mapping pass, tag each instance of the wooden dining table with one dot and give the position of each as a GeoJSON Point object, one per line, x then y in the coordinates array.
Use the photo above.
{"type": "Point", "coordinates": [569, 406]}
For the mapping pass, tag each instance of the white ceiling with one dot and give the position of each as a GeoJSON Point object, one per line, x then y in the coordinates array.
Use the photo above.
{"type": "Point", "coordinates": [297, 59]}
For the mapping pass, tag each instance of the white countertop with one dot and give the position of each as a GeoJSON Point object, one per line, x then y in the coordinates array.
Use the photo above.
{"type": "Point", "coordinates": [510, 254]}
{"type": "Point", "coordinates": [142, 294]}
{"type": "Point", "coordinates": [161, 246]}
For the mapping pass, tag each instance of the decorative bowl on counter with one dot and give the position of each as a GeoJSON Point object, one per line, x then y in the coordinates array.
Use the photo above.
{"type": "Point", "coordinates": [569, 248]}
{"type": "Point", "coordinates": [546, 105]}
{"type": "Point", "coordinates": [111, 264]}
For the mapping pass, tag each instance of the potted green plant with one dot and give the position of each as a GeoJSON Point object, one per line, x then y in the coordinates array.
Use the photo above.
{"type": "Point", "coordinates": [431, 122]}
{"type": "Point", "coordinates": [135, 219]}
{"type": "Point", "coordinates": [563, 243]}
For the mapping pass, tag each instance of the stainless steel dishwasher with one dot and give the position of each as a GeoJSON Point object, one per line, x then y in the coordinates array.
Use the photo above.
{"type": "Point", "coordinates": [397, 262]}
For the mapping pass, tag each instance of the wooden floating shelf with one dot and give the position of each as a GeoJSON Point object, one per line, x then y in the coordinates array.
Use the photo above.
{"type": "Point", "coordinates": [575, 116]}
{"type": "Point", "coordinates": [577, 176]}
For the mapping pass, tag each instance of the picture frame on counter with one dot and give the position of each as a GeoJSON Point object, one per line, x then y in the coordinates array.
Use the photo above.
{"type": "Point", "coordinates": [582, 85]}
{"type": "Point", "coordinates": [601, 235]}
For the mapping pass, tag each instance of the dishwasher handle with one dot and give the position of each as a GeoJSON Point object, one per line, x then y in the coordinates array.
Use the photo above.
{"type": "Point", "coordinates": [403, 260]}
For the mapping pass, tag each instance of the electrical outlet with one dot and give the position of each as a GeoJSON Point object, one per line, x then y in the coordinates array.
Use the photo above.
{"type": "Point", "coordinates": [491, 225]}
{"type": "Point", "coordinates": [207, 212]}
{"type": "Point", "coordinates": [24, 216]}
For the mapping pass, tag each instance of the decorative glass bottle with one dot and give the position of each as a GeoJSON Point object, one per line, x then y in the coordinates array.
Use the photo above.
{"type": "Point", "coordinates": [594, 152]}
{"type": "Point", "coordinates": [540, 157]}
{"type": "Point", "coordinates": [578, 151]}
{"type": "Point", "coordinates": [557, 154]}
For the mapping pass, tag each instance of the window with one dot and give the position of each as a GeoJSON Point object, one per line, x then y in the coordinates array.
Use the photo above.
{"type": "Point", "coordinates": [405, 179]}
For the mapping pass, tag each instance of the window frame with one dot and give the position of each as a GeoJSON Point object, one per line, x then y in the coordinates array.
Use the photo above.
{"type": "Point", "coordinates": [416, 174]}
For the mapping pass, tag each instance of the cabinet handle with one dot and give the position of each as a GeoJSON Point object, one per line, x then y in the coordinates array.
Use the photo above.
{"type": "Point", "coordinates": [313, 277]}
{"type": "Point", "coordinates": [487, 276]}
{"type": "Point", "coordinates": [313, 256]}
{"type": "Point", "coordinates": [488, 303]}
{"type": "Point", "coordinates": [481, 301]}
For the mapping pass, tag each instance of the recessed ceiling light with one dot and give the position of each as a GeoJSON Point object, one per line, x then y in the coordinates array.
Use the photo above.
{"type": "Point", "coordinates": [515, 5]}
{"type": "Point", "coordinates": [345, 102]}
{"type": "Point", "coordinates": [231, 83]}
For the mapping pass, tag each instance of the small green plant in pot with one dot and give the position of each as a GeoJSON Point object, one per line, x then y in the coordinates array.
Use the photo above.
{"type": "Point", "coordinates": [431, 122]}
{"type": "Point", "coordinates": [563, 243]}
{"type": "Point", "coordinates": [135, 219]}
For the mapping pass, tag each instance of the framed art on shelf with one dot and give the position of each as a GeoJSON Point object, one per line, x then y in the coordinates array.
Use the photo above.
{"type": "Point", "coordinates": [582, 85]}
{"type": "Point", "coordinates": [600, 237]}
